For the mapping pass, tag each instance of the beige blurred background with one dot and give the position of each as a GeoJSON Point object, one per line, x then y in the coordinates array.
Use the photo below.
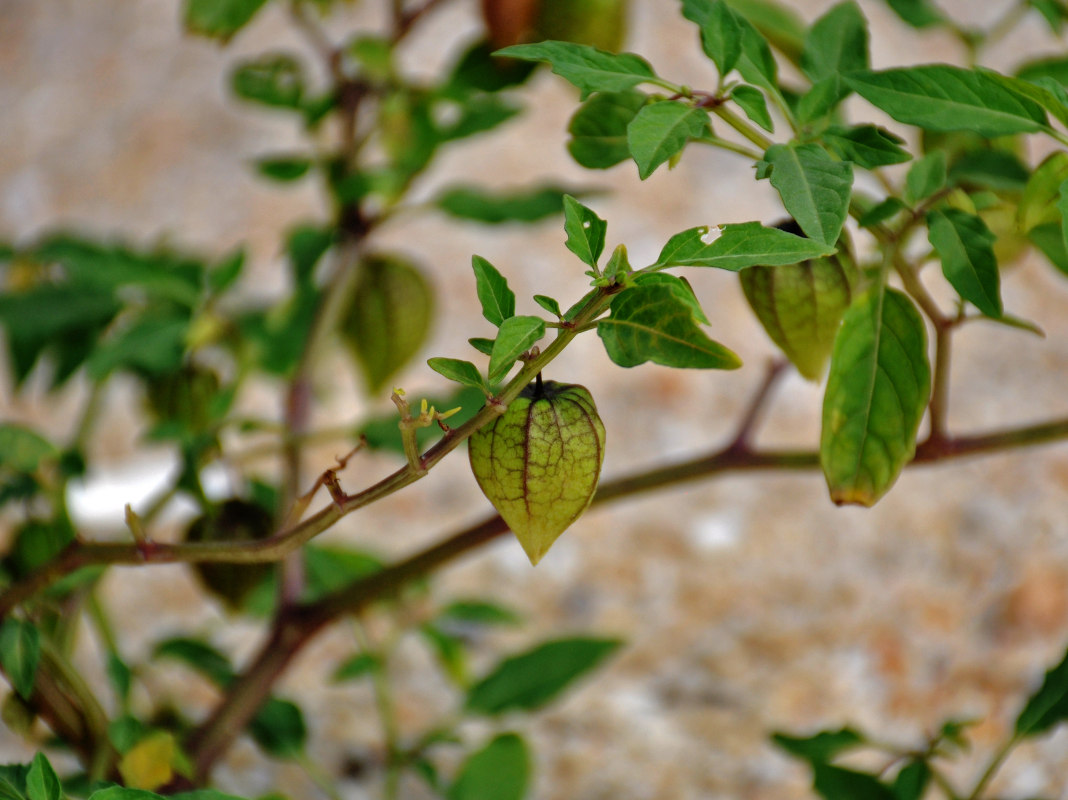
{"type": "Point", "coordinates": [749, 603]}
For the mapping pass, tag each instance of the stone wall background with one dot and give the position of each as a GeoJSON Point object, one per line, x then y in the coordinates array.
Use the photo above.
{"type": "Point", "coordinates": [749, 603]}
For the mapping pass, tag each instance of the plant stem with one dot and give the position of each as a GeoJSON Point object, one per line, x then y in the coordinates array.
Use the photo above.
{"type": "Point", "coordinates": [993, 766]}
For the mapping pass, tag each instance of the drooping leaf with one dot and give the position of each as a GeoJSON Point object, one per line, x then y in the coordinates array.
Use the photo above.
{"type": "Point", "coordinates": [531, 679]}
{"type": "Point", "coordinates": [499, 771]}
{"type": "Point", "coordinates": [585, 231]}
{"type": "Point", "coordinates": [836, 43]}
{"type": "Point", "coordinates": [659, 131]}
{"type": "Point", "coordinates": [939, 97]}
{"type": "Point", "coordinates": [867, 146]}
{"type": "Point", "coordinates": [1048, 706]}
{"type": "Point", "coordinates": [814, 188]}
{"type": "Point", "coordinates": [463, 372]}
{"type": "Point", "coordinates": [498, 301]}
{"type": "Point", "coordinates": [599, 128]}
{"type": "Point", "coordinates": [820, 748]}
{"type": "Point", "coordinates": [589, 69]}
{"type": "Point", "coordinates": [652, 323]}
{"type": "Point", "coordinates": [738, 245]}
{"type": "Point", "coordinates": [482, 344]}
{"type": "Point", "coordinates": [751, 101]}
{"type": "Point", "coordinates": [219, 19]}
{"type": "Point", "coordinates": [515, 337]}
{"type": "Point", "coordinates": [481, 205]}
{"type": "Point", "coordinates": [20, 653]}
{"type": "Point", "coordinates": [1047, 92]}
{"type": "Point", "coordinates": [966, 248]}
{"type": "Point", "coordinates": [877, 391]}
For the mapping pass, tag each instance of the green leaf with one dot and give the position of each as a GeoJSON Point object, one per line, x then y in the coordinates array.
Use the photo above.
{"type": "Point", "coordinates": [881, 212]}
{"type": "Point", "coordinates": [283, 169]}
{"type": "Point", "coordinates": [456, 370]}
{"type": "Point", "coordinates": [618, 266]}
{"type": "Point", "coordinates": [815, 189]}
{"type": "Point", "coordinates": [777, 22]}
{"type": "Point", "coordinates": [1049, 238]}
{"type": "Point", "coordinates": [448, 650]}
{"type": "Point", "coordinates": [305, 246]}
{"type": "Point", "coordinates": [837, 783]}
{"type": "Point", "coordinates": [22, 450]}
{"type": "Point", "coordinates": [200, 656]}
{"type": "Point", "coordinates": [223, 274]}
{"type": "Point", "coordinates": [736, 246]}
{"type": "Point", "coordinates": [499, 771]}
{"type": "Point", "coordinates": [13, 781]}
{"type": "Point", "coordinates": [751, 101]}
{"type": "Point", "coordinates": [721, 31]}
{"type": "Point", "coordinates": [498, 301]}
{"type": "Point", "coordinates": [997, 170]}
{"type": "Point", "coordinates": [680, 286]}
{"type": "Point", "coordinates": [585, 231]}
{"type": "Point", "coordinates": [1039, 202]}
{"type": "Point", "coordinates": [531, 679]}
{"type": "Point", "coordinates": [549, 304]}
{"type": "Point", "coordinates": [123, 793]}
{"type": "Point", "coordinates": [1055, 67]}
{"type": "Point", "coordinates": [329, 569]}
{"type": "Point", "coordinates": [1054, 12]}
{"type": "Point", "coordinates": [926, 176]}
{"type": "Point", "coordinates": [867, 146]}
{"type": "Point", "coordinates": [819, 748]}
{"type": "Point", "coordinates": [836, 43]}
{"type": "Point", "coordinates": [483, 345]}
{"type": "Point", "coordinates": [478, 612]}
{"type": "Point", "coordinates": [1048, 706]}
{"type": "Point", "coordinates": [917, 13]}
{"type": "Point", "coordinates": [878, 388]}
{"type": "Point", "coordinates": [42, 783]}
{"type": "Point", "coordinates": [356, 667]}
{"type": "Point", "coordinates": [219, 19]}
{"type": "Point", "coordinates": [278, 728]}
{"type": "Point", "coordinates": [154, 344]}
{"type": "Point", "coordinates": [822, 99]}
{"type": "Point", "coordinates": [599, 128]}
{"type": "Point", "coordinates": [20, 652]}
{"type": "Point", "coordinates": [939, 97]}
{"type": "Point", "coordinates": [966, 247]}
{"type": "Point", "coordinates": [660, 131]}
{"type": "Point", "coordinates": [516, 336]}
{"type": "Point", "coordinates": [911, 781]}
{"type": "Point", "coordinates": [1048, 93]}
{"type": "Point", "coordinates": [652, 323]}
{"type": "Point", "coordinates": [481, 205]}
{"type": "Point", "coordinates": [272, 80]}
{"type": "Point", "coordinates": [589, 69]}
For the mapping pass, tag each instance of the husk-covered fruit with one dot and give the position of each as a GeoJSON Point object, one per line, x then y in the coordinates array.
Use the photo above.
{"type": "Point", "coordinates": [801, 305]}
{"type": "Point", "coordinates": [232, 521]}
{"type": "Point", "coordinates": [539, 462]}
{"type": "Point", "coordinates": [388, 317]}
